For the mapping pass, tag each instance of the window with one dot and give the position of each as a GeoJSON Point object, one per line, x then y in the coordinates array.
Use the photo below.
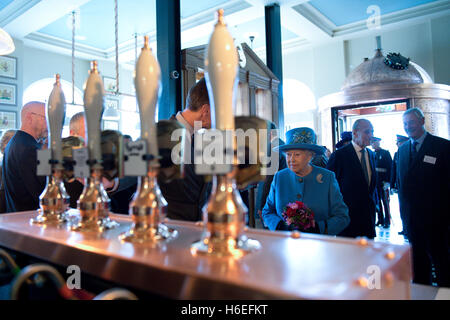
{"type": "Point", "coordinates": [299, 105]}
{"type": "Point", "coordinates": [41, 89]}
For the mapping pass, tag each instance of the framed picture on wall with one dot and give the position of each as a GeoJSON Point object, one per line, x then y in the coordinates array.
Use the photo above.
{"type": "Point", "coordinates": [7, 120]}
{"type": "Point", "coordinates": [8, 93]}
{"type": "Point", "coordinates": [110, 84]}
{"type": "Point", "coordinates": [8, 67]}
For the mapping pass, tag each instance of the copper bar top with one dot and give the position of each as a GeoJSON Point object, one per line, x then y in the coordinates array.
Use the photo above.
{"type": "Point", "coordinates": [310, 267]}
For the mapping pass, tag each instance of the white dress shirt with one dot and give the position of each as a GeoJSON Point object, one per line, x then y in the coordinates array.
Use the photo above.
{"type": "Point", "coordinates": [358, 153]}
{"type": "Point", "coordinates": [187, 139]}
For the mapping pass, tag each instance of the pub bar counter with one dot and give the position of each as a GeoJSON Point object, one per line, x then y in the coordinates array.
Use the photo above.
{"type": "Point", "coordinates": [288, 265]}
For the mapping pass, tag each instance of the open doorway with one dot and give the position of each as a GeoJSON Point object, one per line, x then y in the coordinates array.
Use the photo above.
{"type": "Point", "coordinates": [386, 119]}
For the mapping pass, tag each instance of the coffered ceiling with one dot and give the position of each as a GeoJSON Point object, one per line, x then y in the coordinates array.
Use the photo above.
{"type": "Point", "coordinates": [48, 24]}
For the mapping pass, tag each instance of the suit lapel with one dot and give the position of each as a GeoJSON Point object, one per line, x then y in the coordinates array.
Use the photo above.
{"type": "Point", "coordinates": [355, 160]}
{"type": "Point", "coordinates": [421, 152]}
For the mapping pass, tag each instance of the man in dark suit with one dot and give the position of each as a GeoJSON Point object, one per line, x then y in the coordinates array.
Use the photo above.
{"type": "Point", "coordinates": [22, 186]}
{"type": "Point", "coordinates": [383, 165]}
{"type": "Point", "coordinates": [186, 197]}
{"type": "Point", "coordinates": [354, 166]}
{"type": "Point", "coordinates": [423, 176]}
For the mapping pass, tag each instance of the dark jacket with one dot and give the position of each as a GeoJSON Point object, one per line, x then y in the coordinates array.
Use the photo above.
{"type": "Point", "coordinates": [358, 196]}
{"type": "Point", "coordinates": [424, 186]}
{"type": "Point", "coordinates": [2, 194]}
{"type": "Point", "coordinates": [121, 198]}
{"type": "Point", "coordinates": [383, 165]}
{"type": "Point", "coordinates": [186, 197]}
{"type": "Point", "coordinates": [74, 189]}
{"type": "Point", "coordinates": [394, 166]}
{"type": "Point", "coordinates": [22, 186]}
{"type": "Point", "coordinates": [424, 189]}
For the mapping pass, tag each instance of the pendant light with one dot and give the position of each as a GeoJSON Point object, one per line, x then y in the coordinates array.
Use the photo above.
{"type": "Point", "coordinates": [6, 43]}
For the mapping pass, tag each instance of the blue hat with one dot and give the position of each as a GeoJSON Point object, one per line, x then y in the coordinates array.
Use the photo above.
{"type": "Point", "coordinates": [346, 136]}
{"type": "Point", "coordinates": [301, 138]}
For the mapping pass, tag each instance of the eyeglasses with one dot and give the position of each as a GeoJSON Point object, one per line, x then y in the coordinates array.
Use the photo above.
{"type": "Point", "coordinates": [38, 114]}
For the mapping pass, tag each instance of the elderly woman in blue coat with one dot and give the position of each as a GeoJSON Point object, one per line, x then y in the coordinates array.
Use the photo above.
{"type": "Point", "coordinates": [316, 187]}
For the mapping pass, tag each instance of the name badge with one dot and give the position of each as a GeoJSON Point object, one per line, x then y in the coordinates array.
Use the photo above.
{"type": "Point", "coordinates": [429, 159]}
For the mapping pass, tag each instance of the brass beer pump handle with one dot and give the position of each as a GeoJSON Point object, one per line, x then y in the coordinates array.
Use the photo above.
{"type": "Point", "coordinates": [93, 110]}
{"type": "Point", "coordinates": [148, 203]}
{"type": "Point", "coordinates": [94, 202]}
{"type": "Point", "coordinates": [224, 214]}
{"type": "Point", "coordinates": [54, 199]}
{"type": "Point", "coordinates": [147, 82]}
{"type": "Point", "coordinates": [56, 109]}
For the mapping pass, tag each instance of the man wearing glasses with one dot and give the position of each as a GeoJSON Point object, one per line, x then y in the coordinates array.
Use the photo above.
{"type": "Point", "coordinates": [22, 185]}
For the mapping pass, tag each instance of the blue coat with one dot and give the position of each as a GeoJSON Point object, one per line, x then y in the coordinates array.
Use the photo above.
{"type": "Point", "coordinates": [319, 190]}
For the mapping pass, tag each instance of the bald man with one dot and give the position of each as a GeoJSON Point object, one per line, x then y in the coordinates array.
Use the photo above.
{"type": "Point", "coordinates": [77, 125]}
{"type": "Point", "coordinates": [22, 186]}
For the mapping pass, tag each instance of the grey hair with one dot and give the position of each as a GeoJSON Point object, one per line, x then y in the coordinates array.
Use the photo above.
{"type": "Point", "coordinates": [75, 122]}
{"type": "Point", "coordinates": [416, 111]}
{"type": "Point", "coordinates": [357, 124]}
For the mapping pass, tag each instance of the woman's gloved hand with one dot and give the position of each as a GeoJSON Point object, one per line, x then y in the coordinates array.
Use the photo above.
{"type": "Point", "coordinates": [283, 226]}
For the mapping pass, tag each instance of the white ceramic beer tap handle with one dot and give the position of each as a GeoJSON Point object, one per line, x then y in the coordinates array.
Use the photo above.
{"type": "Point", "coordinates": [221, 64]}
{"type": "Point", "coordinates": [93, 110]}
{"type": "Point", "coordinates": [56, 109]}
{"type": "Point", "coordinates": [147, 82]}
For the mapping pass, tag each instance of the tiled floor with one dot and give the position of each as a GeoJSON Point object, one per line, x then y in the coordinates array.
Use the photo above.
{"type": "Point", "coordinates": [391, 234]}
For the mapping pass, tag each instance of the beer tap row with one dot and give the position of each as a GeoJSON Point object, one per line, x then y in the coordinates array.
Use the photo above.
{"type": "Point", "coordinates": [224, 215]}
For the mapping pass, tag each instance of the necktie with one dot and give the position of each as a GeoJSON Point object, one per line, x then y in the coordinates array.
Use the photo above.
{"type": "Point", "coordinates": [364, 165]}
{"type": "Point", "coordinates": [414, 150]}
